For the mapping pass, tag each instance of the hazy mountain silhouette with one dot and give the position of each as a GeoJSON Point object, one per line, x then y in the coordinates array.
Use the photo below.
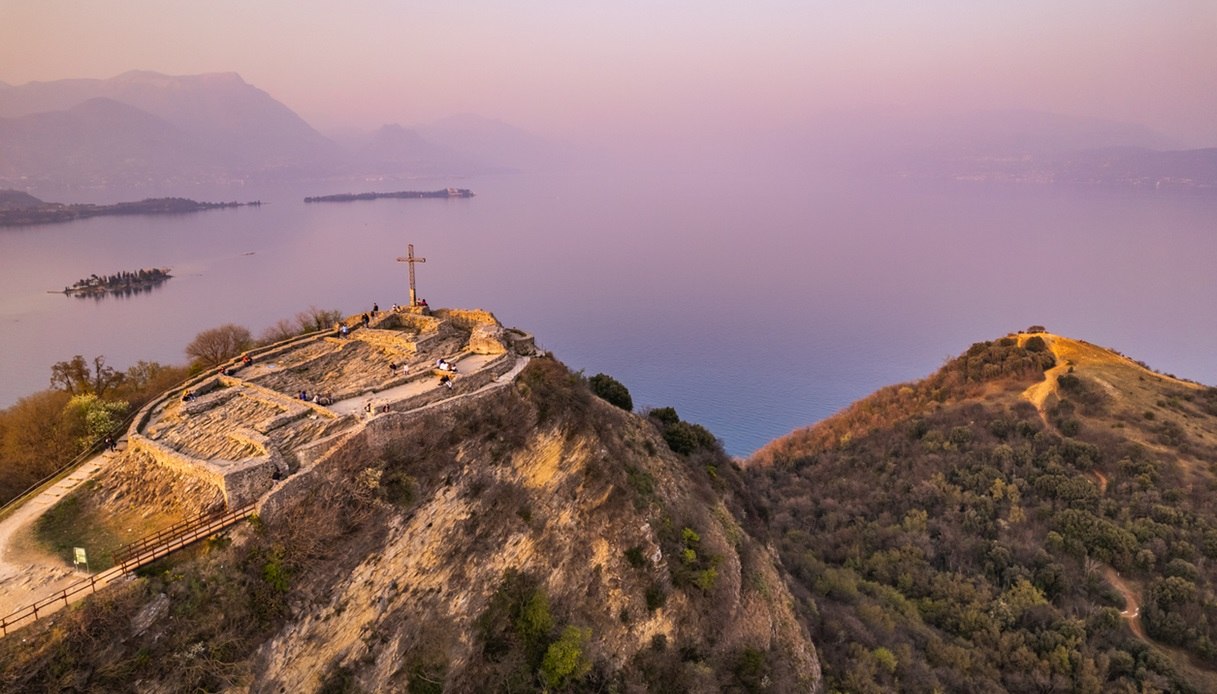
{"type": "Point", "coordinates": [395, 149]}
{"type": "Point", "coordinates": [498, 144]}
{"type": "Point", "coordinates": [99, 141]}
{"type": "Point", "coordinates": [143, 124]}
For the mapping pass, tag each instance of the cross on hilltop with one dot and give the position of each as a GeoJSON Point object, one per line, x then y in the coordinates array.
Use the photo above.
{"type": "Point", "coordinates": [410, 260]}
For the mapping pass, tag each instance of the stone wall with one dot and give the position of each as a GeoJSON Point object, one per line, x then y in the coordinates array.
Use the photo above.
{"type": "Point", "coordinates": [410, 321]}
{"type": "Point", "coordinates": [392, 342]}
{"type": "Point", "coordinates": [467, 319]}
{"type": "Point", "coordinates": [240, 481]}
{"type": "Point", "coordinates": [305, 482]}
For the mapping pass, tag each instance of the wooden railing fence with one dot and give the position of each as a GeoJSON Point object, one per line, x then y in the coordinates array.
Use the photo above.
{"type": "Point", "coordinates": [127, 559]}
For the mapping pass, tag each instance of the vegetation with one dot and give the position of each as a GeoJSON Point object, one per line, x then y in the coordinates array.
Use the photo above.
{"type": "Point", "coordinates": [217, 345]}
{"type": "Point", "coordinates": [312, 320]}
{"type": "Point", "coordinates": [611, 390]}
{"type": "Point", "coordinates": [683, 437]}
{"type": "Point", "coordinates": [941, 540]}
{"type": "Point", "coordinates": [120, 283]}
{"type": "Point", "coordinates": [88, 401]}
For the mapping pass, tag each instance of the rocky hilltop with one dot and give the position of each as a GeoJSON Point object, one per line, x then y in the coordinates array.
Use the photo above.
{"type": "Point", "coordinates": [512, 533]}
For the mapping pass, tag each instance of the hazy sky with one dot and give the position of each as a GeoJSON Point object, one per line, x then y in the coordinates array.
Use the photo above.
{"type": "Point", "coordinates": [573, 68]}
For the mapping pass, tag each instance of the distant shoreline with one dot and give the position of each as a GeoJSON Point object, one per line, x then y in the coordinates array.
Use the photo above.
{"type": "Point", "coordinates": [39, 212]}
{"type": "Point", "coordinates": [350, 197]}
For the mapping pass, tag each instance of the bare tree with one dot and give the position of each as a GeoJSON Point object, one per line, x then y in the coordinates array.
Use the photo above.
{"type": "Point", "coordinates": [317, 319]}
{"type": "Point", "coordinates": [216, 345]}
{"type": "Point", "coordinates": [281, 330]}
{"type": "Point", "coordinates": [75, 376]}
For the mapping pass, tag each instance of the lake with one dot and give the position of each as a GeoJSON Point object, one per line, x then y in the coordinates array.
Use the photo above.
{"type": "Point", "coordinates": [753, 304]}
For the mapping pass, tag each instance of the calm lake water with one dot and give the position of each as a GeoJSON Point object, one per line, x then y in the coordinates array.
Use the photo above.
{"type": "Point", "coordinates": [753, 305]}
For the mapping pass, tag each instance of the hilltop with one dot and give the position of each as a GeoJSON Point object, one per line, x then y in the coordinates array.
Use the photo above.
{"type": "Point", "coordinates": [1035, 516]}
{"type": "Point", "coordinates": [513, 533]}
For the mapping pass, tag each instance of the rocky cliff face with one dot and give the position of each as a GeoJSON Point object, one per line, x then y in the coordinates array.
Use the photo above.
{"type": "Point", "coordinates": [530, 538]}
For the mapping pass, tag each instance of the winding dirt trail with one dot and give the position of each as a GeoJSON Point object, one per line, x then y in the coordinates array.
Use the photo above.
{"type": "Point", "coordinates": [1037, 394]}
{"type": "Point", "coordinates": [1132, 610]}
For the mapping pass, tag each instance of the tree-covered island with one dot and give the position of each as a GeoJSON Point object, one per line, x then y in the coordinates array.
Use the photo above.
{"type": "Point", "coordinates": [126, 283]}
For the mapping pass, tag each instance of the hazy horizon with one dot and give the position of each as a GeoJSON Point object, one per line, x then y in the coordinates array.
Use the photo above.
{"type": "Point", "coordinates": [672, 76]}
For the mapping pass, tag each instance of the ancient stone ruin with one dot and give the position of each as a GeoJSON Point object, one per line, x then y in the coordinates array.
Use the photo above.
{"type": "Point", "coordinates": [246, 426]}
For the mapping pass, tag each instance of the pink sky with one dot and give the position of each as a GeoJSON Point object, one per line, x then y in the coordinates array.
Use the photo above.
{"type": "Point", "coordinates": [575, 69]}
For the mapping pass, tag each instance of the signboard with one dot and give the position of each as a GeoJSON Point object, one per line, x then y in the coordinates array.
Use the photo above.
{"type": "Point", "coordinates": [79, 557]}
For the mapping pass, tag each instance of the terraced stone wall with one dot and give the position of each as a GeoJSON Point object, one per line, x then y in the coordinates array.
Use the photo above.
{"type": "Point", "coordinates": [467, 319]}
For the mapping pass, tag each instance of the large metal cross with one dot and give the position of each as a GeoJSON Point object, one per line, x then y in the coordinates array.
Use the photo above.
{"type": "Point", "coordinates": [410, 259]}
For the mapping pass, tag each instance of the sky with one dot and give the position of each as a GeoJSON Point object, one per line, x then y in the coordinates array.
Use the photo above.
{"type": "Point", "coordinates": [577, 69]}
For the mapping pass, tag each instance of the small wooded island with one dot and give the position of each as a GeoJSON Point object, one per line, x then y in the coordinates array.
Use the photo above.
{"type": "Point", "coordinates": [19, 208]}
{"type": "Point", "coordinates": [348, 197]}
{"type": "Point", "coordinates": [126, 283]}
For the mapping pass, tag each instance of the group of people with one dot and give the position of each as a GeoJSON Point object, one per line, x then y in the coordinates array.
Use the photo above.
{"type": "Point", "coordinates": [317, 398]}
{"type": "Point", "coordinates": [395, 308]}
{"type": "Point", "coordinates": [369, 408]}
{"type": "Point", "coordinates": [449, 370]}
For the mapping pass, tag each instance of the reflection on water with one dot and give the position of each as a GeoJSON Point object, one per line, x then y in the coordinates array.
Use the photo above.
{"type": "Point", "coordinates": [753, 306]}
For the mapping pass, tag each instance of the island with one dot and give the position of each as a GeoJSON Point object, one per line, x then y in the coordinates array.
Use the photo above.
{"type": "Point", "coordinates": [19, 208]}
{"type": "Point", "coordinates": [125, 283]}
{"type": "Point", "coordinates": [348, 197]}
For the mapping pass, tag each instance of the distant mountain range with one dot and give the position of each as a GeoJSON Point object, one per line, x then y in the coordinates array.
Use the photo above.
{"type": "Point", "coordinates": [1011, 146]}
{"type": "Point", "coordinates": [144, 127]}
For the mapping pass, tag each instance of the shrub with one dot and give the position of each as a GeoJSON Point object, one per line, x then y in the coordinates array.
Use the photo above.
{"type": "Point", "coordinates": [612, 391]}
{"type": "Point", "coordinates": [635, 557]}
{"type": "Point", "coordinates": [1036, 343]}
{"type": "Point", "coordinates": [682, 437]}
{"type": "Point", "coordinates": [565, 660]}
{"type": "Point", "coordinates": [656, 596]}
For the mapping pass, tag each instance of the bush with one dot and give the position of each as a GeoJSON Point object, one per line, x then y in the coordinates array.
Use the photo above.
{"type": "Point", "coordinates": [565, 660]}
{"type": "Point", "coordinates": [682, 437]}
{"type": "Point", "coordinates": [612, 391]}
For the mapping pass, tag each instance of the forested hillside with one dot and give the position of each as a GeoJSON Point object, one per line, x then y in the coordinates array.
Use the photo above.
{"type": "Point", "coordinates": [946, 535]}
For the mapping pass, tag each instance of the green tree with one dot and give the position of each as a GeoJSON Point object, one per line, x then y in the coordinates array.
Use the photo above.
{"type": "Point", "coordinates": [566, 660]}
{"type": "Point", "coordinates": [611, 390]}
{"type": "Point", "coordinates": [92, 418]}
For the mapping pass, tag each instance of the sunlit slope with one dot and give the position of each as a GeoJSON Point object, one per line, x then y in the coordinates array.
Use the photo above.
{"type": "Point", "coordinates": [1037, 515]}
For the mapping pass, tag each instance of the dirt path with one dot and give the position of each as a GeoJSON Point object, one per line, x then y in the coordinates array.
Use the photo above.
{"type": "Point", "coordinates": [1037, 394]}
{"type": "Point", "coordinates": [1132, 609]}
{"type": "Point", "coordinates": [1102, 481]}
{"type": "Point", "coordinates": [27, 575]}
